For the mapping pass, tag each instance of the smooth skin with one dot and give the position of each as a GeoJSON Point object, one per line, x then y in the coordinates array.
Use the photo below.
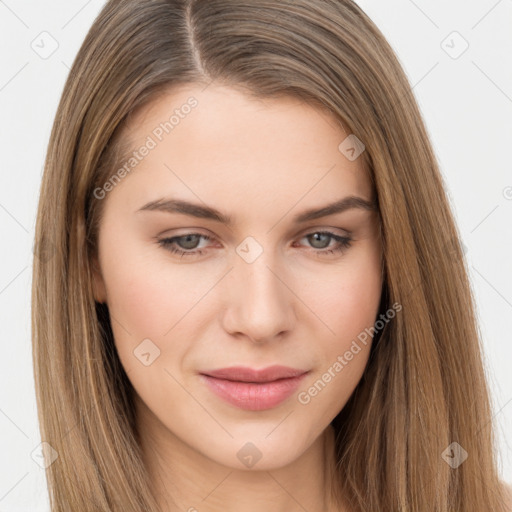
{"type": "Point", "coordinates": [262, 163]}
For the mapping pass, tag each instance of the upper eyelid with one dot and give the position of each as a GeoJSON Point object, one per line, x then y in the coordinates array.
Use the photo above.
{"type": "Point", "coordinates": [306, 231]}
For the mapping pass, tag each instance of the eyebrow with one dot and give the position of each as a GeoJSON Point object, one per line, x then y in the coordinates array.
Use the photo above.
{"type": "Point", "coordinates": [208, 212]}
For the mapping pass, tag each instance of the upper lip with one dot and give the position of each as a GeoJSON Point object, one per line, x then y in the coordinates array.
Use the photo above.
{"type": "Point", "coordinates": [246, 374]}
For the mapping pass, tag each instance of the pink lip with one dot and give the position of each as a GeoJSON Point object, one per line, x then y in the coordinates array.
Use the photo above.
{"type": "Point", "coordinates": [254, 390]}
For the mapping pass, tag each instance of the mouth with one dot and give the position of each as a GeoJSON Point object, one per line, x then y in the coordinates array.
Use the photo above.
{"type": "Point", "coordinates": [251, 389]}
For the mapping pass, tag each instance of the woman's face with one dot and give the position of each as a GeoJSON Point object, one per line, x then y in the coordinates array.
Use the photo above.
{"type": "Point", "coordinates": [274, 286]}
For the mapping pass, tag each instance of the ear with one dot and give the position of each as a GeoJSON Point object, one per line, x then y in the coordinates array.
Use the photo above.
{"type": "Point", "coordinates": [100, 292]}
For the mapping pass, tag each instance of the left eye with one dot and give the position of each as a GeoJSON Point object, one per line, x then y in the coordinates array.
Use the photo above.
{"type": "Point", "coordinates": [189, 242]}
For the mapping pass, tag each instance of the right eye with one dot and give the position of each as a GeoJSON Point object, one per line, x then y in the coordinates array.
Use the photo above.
{"type": "Point", "coordinates": [188, 242]}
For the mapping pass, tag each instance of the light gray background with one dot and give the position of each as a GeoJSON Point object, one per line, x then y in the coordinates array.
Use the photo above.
{"type": "Point", "coordinates": [466, 102]}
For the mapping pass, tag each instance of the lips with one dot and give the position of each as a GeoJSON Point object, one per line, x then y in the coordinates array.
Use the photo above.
{"type": "Point", "coordinates": [245, 374]}
{"type": "Point", "coordinates": [254, 390]}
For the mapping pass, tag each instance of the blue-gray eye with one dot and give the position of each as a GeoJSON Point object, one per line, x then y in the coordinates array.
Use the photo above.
{"type": "Point", "coordinates": [187, 243]}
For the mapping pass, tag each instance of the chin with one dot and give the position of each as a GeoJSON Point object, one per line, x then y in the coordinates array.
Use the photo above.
{"type": "Point", "coordinates": [258, 452]}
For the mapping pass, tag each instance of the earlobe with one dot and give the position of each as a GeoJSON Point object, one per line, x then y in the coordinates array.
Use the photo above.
{"type": "Point", "coordinates": [100, 294]}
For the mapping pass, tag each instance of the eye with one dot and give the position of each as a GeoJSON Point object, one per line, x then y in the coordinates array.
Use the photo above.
{"type": "Point", "coordinates": [187, 244]}
{"type": "Point", "coordinates": [322, 239]}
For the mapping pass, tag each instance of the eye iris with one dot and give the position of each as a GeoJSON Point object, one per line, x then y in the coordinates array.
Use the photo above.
{"type": "Point", "coordinates": [315, 238]}
{"type": "Point", "coordinates": [191, 241]}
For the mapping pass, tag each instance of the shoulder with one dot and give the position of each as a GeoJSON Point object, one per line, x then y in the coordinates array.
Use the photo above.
{"type": "Point", "coordinates": [507, 489]}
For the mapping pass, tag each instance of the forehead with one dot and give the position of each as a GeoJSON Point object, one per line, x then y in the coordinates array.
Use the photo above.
{"type": "Point", "coordinates": [217, 141]}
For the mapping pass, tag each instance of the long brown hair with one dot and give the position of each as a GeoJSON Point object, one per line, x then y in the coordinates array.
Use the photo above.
{"type": "Point", "coordinates": [424, 387]}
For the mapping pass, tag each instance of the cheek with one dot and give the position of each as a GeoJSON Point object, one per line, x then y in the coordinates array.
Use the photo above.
{"type": "Point", "coordinates": [149, 298]}
{"type": "Point", "coordinates": [348, 306]}
{"type": "Point", "coordinates": [347, 301]}
{"type": "Point", "coordinates": [149, 294]}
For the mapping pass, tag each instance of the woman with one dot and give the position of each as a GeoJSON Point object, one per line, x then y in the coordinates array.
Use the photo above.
{"type": "Point", "coordinates": [256, 296]}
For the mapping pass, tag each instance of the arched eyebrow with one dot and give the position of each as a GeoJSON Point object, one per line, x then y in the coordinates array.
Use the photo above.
{"type": "Point", "coordinates": [208, 212]}
{"type": "Point", "coordinates": [347, 203]}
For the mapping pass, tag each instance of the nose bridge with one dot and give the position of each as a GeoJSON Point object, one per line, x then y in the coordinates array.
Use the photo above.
{"type": "Point", "coordinates": [261, 305]}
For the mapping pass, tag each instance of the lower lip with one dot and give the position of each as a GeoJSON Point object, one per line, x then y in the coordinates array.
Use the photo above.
{"type": "Point", "coordinates": [251, 396]}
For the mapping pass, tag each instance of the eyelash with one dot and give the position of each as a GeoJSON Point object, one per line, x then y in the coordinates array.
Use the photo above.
{"type": "Point", "coordinates": [344, 242]}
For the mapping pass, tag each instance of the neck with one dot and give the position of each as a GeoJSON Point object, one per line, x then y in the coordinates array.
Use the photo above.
{"type": "Point", "coordinates": [185, 479]}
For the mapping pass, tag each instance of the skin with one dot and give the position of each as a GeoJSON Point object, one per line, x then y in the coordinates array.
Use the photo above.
{"type": "Point", "coordinates": [262, 162]}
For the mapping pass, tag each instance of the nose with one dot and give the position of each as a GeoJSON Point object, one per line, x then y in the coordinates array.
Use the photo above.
{"type": "Point", "coordinates": [260, 303]}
